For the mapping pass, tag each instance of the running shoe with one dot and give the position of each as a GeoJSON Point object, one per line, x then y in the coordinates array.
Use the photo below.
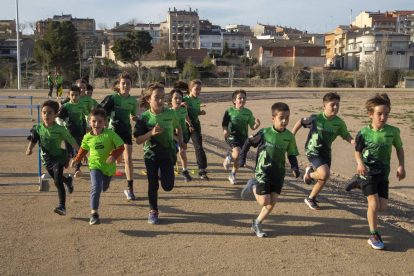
{"type": "Point", "coordinates": [376, 242]}
{"type": "Point", "coordinates": [353, 184]}
{"type": "Point", "coordinates": [69, 185]}
{"type": "Point", "coordinates": [306, 177]}
{"type": "Point", "coordinates": [187, 176]}
{"type": "Point", "coordinates": [153, 217]}
{"type": "Point", "coordinates": [248, 189]}
{"type": "Point", "coordinates": [129, 194]}
{"type": "Point", "coordinates": [226, 162]}
{"type": "Point", "coordinates": [311, 202]}
{"type": "Point", "coordinates": [94, 219]}
{"type": "Point", "coordinates": [232, 179]}
{"type": "Point", "coordinates": [61, 210]}
{"type": "Point", "coordinates": [203, 175]}
{"type": "Point", "coordinates": [257, 228]}
{"type": "Point", "coordinates": [78, 173]}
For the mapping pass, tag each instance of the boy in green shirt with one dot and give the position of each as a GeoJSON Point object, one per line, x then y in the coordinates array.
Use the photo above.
{"type": "Point", "coordinates": [323, 130]}
{"type": "Point", "coordinates": [50, 84]}
{"type": "Point", "coordinates": [105, 147]}
{"type": "Point", "coordinates": [89, 92]}
{"type": "Point", "coordinates": [54, 158]}
{"type": "Point", "coordinates": [273, 144]}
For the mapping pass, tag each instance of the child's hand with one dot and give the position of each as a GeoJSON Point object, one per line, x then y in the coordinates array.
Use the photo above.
{"type": "Point", "coordinates": [183, 146]}
{"type": "Point", "coordinates": [73, 163]}
{"type": "Point", "coordinates": [226, 134]}
{"type": "Point", "coordinates": [191, 129]}
{"type": "Point", "coordinates": [85, 160]}
{"type": "Point", "coordinates": [29, 152]}
{"type": "Point", "coordinates": [400, 173]}
{"type": "Point", "coordinates": [156, 130]}
{"type": "Point", "coordinates": [185, 104]}
{"type": "Point", "coordinates": [202, 112]}
{"type": "Point", "coordinates": [362, 170]}
{"type": "Point", "coordinates": [257, 122]}
{"type": "Point", "coordinates": [296, 173]}
{"type": "Point", "coordinates": [110, 160]}
{"type": "Point", "coordinates": [352, 142]}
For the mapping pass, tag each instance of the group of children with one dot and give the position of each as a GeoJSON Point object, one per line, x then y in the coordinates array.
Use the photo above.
{"type": "Point", "coordinates": [105, 131]}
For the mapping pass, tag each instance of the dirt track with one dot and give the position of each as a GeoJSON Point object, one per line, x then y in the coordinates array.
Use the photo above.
{"type": "Point", "coordinates": [205, 227]}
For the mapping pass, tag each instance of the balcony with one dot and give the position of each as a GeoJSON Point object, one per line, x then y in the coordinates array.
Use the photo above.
{"type": "Point", "coordinates": [353, 50]}
{"type": "Point", "coordinates": [384, 27]}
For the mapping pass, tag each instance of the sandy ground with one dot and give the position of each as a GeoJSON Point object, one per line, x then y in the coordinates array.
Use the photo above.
{"type": "Point", "coordinates": [205, 227]}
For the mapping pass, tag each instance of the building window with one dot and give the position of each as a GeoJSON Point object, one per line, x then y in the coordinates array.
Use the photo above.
{"type": "Point", "coordinates": [277, 51]}
{"type": "Point", "coordinates": [400, 52]}
{"type": "Point", "coordinates": [240, 38]}
{"type": "Point", "coordinates": [226, 38]}
{"type": "Point", "coordinates": [174, 30]}
{"type": "Point", "coordinates": [187, 23]}
{"type": "Point", "coordinates": [240, 46]}
{"type": "Point", "coordinates": [289, 51]}
{"type": "Point", "coordinates": [194, 24]}
{"type": "Point", "coordinates": [233, 45]}
{"type": "Point", "coordinates": [194, 45]}
{"type": "Point", "coordinates": [174, 23]}
{"type": "Point", "coordinates": [142, 29]}
{"type": "Point", "coordinates": [302, 51]}
{"type": "Point", "coordinates": [233, 38]}
{"type": "Point", "coordinates": [194, 31]}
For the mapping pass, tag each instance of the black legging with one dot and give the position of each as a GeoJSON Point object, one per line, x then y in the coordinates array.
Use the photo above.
{"type": "Point", "coordinates": [199, 151]}
{"type": "Point", "coordinates": [57, 174]}
{"type": "Point", "coordinates": [50, 90]}
{"type": "Point", "coordinates": [57, 89]}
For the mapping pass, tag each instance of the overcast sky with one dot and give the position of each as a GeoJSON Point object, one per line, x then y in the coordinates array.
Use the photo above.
{"type": "Point", "coordinates": [315, 16]}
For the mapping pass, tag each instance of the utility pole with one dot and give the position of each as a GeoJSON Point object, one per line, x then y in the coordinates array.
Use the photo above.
{"type": "Point", "coordinates": [19, 77]}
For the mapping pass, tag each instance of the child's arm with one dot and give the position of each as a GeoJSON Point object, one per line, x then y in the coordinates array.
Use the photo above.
{"type": "Point", "coordinates": [33, 138]}
{"type": "Point", "coordinates": [294, 165]}
{"type": "Point", "coordinates": [254, 141]}
{"type": "Point", "coordinates": [202, 112]}
{"type": "Point", "coordinates": [401, 169]}
{"type": "Point", "coordinates": [156, 130]}
{"type": "Point", "coordinates": [29, 150]}
{"type": "Point", "coordinates": [225, 124]}
{"type": "Point", "coordinates": [350, 140]}
{"type": "Point", "coordinates": [297, 126]}
{"type": "Point", "coordinates": [226, 132]}
{"type": "Point", "coordinates": [256, 124]}
{"type": "Point", "coordinates": [75, 146]}
{"type": "Point", "coordinates": [115, 154]}
{"type": "Point", "coordinates": [188, 121]}
{"type": "Point", "coordinates": [362, 169]}
{"type": "Point", "coordinates": [81, 155]}
{"type": "Point", "coordinates": [180, 138]}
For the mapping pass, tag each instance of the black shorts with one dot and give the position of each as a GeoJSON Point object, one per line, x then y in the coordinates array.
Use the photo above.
{"type": "Point", "coordinates": [370, 187]}
{"type": "Point", "coordinates": [267, 188]}
{"type": "Point", "coordinates": [318, 161]}
{"type": "Point", "coordinates": [234, 143]}
{"type": "Point", "coordinates": [126, 137]}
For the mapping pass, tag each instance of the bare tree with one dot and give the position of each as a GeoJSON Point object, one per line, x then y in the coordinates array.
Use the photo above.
{"type": "Point", "coordinates": [374, 65]}
{"type": "Point", "coordinates": [22, 27]}
{"type": "Point", "coordinates": [27, 53]}
{"type": "Point", "coordinates": [102, 26]}
{"type": "Point", "coordinates": [133, 21]}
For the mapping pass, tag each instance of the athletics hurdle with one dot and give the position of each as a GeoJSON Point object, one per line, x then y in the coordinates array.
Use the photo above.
{"type": "Point", "coordinates": [23, 133]}
{"type": "Point", "coordinates": [21, 97]}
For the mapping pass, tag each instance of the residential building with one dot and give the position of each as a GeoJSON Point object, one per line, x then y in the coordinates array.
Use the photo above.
{"type": "Point", "coordinates": [365, 45]}
{"type": "Point", "coordinates": [405, 22]}
{"type": "Point", "coordinates": [205, 25]}
{"type": "Point", "coordinates": [153, 29]}
{"type": "Point", "coordinates": [255, 45]}
{"type": "Point", "coordinates": [119, 31]}
{"type": "Point", "coordinates": [82, 25]}
{"type": "Point", "coordinates": [8, 27]}
{"type": "Point", "coordinates": [235, 42]}
{"type": "Point", "coordinates": [212, 40]}
{"type": "Point", "coordinates": [376, 20]}
{"type": "Point", "coordinates": [238, 28]}
{"type": "Point", "coordinates": [247, 37]}
{"type": "Point", "coordinates": [335, 42]}
{"type": "Point", "coordinates": [261, 29]}
{"type": "Point", "coordinates": [41, 25]}
{"type": "Point", "coordinates": [305, 37]}
{"type": "Point", "coordinates": [183, 29]}
{"type": "Point", "coordinates": [288, 51]}
{"type": "Point", "coordinates": [8, 47]}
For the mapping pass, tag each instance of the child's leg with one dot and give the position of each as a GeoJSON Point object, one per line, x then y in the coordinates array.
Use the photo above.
{"type": "Point", "coordinates": [183, 157]}
{"type": "Point", "coordinates": [129, 169]}
{"type": "Point", "coordinates": [372, 212]}
{"type": "Point", "coordinates": [268, 202]}
{"type": "Point", "coordinates": [96, 188]}
{"type": "Point", "coordinates": [235, 156]}
{"type": "Point", "coordinates": [153, 185]}
{"type": "Point", "coordinates": [322, 175]}
{"type": "Point", "coordinates": [105, 183]}
{"type": "Point", "coordinates": [57, 174]}
{"type": "Point", "coordinates": [167, 174]}
{"type": "Point", "coordinates": [50, 91]}
{"type": "Point", "coordinates": [199, 151]}
{"type": "Point", "coordinates": [79, 142]}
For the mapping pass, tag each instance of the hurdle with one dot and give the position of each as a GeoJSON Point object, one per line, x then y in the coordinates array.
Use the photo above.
{"type": "Point", "coordinates": [21, 97]}
{"type": "Point", "coordinates": [23, 133]}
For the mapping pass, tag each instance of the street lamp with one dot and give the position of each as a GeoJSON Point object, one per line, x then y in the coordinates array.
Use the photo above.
{"type": "Point", "coordinates": [19, 77]}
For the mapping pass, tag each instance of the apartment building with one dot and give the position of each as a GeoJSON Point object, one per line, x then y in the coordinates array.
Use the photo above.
{"type": "Point", "coordinates": [255, 45]}
{"type": "Point", "coordinates": [82, 25]}
{"type": "Point", "coordinates": [205, 25]}
{"type": "Point", "coordinates": [212, 40]}
{"type": "Point", "coordinates": [119, 31]}
{"type": "Point", "coordinates": [376, 20]}
{"type": "Point", "coordinates": [335, 43]}
{"type": "Point", "coordinates": [8, 27]}
{"type": "Point", "coordinates": [262, 30]}
{"type": "Point", "coordinates": [238, 28]}
{"type": "Point", "coordinates": [297, 53]}
{"type": "Point", "coordinates": [8, 47]}
{"type": "Point", "coordinates": [153, 29]}
{"type": "Point", "coordinates": [182, 29]}
{"type": "Point", "coordinates": [235, 42]}
{"type": "Point", "coordinates": [366, 44]}
{"type": "Point", "coordinates": [405, 22]}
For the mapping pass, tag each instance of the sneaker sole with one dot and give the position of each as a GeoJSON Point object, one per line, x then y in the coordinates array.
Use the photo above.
{"type": "Point", "coordinates": [259, 235]}
{"type": "Point", "coordinates": [310, 206]}
{"type": "Point", "coordinates": [59, 212]}
{"type": "Point", "coordinates": [78, 174]}
{"type": "Point", "coordinates": [306, 173]}
{"type": "Point", "coordinates": [153, 222]}
{"type": "Point", "coordinates": [96, 222]}
{"type": "Point", "coordinates": [232, 183]}
{"type": "Point", "coordinates": [353, 179]}
{"type": "Point", "coordinates": [128, 198]}
{"type": "Point", "coordinates": [375, 247]}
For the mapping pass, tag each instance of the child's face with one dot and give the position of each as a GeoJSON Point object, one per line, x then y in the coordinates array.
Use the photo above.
{"type": "Point", "coordinates": [89, 92]}
{"type": "Point", "coordinates": [176, 99]}
{"type": "Point", "coordinates": [240, 100]}
{"type": "Point", "coordinates": [195, 91]}
{"type": "Point", "coordinates": [281, 120]}
{"type": "Point", "coordinates": [74, 96]}
{"type": "Point", "coordinates": [125, 86]}
{"type": "Point", "coordinates": [380, 116]}
{"type": "Point", "coordinates": [48, 115]}
{"type": "Point", "coordinates": [156, 100]}
{"type": "Point", "coordinates": [331, 108]}
{"type": "Point", "coordinates": [82, 87]}
{"type": "Point", "coordinates": [97, 123]}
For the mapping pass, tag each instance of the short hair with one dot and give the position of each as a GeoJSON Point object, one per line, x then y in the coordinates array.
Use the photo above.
{"type": "Point", "coordinates": [194, 82]}
{"type": "Point", "coordinates": [52, 104]}
{"type": "Point", "coordinates": [124, 75]}
{"type": "Point", "coordinates": [89, 87]}
{"type": "Point", "coordinates": [147, 92]}
{"type": "Point", "coordinates": [331, 96]}
{"type": "Point", "coordinates": [74, 88]}
{"type": "Point", "coordinates": [49, 73]}
{"type": "Point", "coordinates": [115, 87]}
{"type": "Point", "coordinates": [162, 82]}
{"type": "Point", "coordinates": [237, 92]}
{"type": "Point", "coordinates": [81, 81]}
{"type": "Point", "coordinates": [98, 112]}
{"type": "Point", "coordinates": [183, 86]}
{"type": "Point", "coordinates": [378, 99]}
{"type": "Point", "coordinates": [277, 107]}
{"type": "Point", "coordinates": [175, 90]}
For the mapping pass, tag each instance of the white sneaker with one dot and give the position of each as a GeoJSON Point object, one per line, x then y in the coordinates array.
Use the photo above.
{"type": "Point", "coordinates": [226, 162]}
{"type": "Point", "coordinates": [232, 179]}
{"type": "Point", "coordinates": [257, 229]}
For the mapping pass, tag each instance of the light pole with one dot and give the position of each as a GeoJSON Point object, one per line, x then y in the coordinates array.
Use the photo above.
{"type": "Point", "coordinates": [19, 77]}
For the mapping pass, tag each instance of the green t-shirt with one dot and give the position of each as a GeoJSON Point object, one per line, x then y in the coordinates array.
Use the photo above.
{"type": "Point", "coordinates": [193, 111]}
{"type": "Point", "coordinates": [49, 81]}
{"type": "Point", "coordinates": [72, 115]}
{"type": "Point", "coordinates": [237, 123]}
{"type": "Point", "coordinates": [272, 147]}
{"type": "Point", "coordinates": [58, 79]}
{"type": "Point", "coordinates": [87, 101]}
{"type": "Point", "coordinates": [160, 146]}
{"type": "Point", "coordinates": [95, 103]}
{"type": "Point", "coordinates": [322, 133]}
{"type": "Point", "coordinates": [181, 115]}
{"type": "Point", "coordinates": [50, 140]}
{"type": "Point", "coordinates": [376, 149]}
{"type": "Point", "coordinates": [100, 147]}
{"type": "Point", "coordinates": [119, 110]}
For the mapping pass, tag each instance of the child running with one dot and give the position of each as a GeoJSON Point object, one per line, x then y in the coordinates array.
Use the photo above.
{"type": "Point", "coordinates": [176, 98]}
{"type": "Point", "coordinates": [235, 127]}
{"type": "Point", "coordinates": [155, 128]}
{"type": "Point", "coordinates": [89, 92]}
{"type": "Point", "coordinates": [54, 158]}
{"type": "Point", "coordinates": [105, 147]}
{"type": "Point", "coordinates": [72, 114]}
{"type": "Point", "coordinates": [194, 111]}
{"type": "Point", "coordinates": [273, 144]}
{"type": "Point", "coordinates": [121, 108]}
{"type": "Point", "coordinates": [373, 148]}
{"type": "Point", "coordinates": [324, 128]}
